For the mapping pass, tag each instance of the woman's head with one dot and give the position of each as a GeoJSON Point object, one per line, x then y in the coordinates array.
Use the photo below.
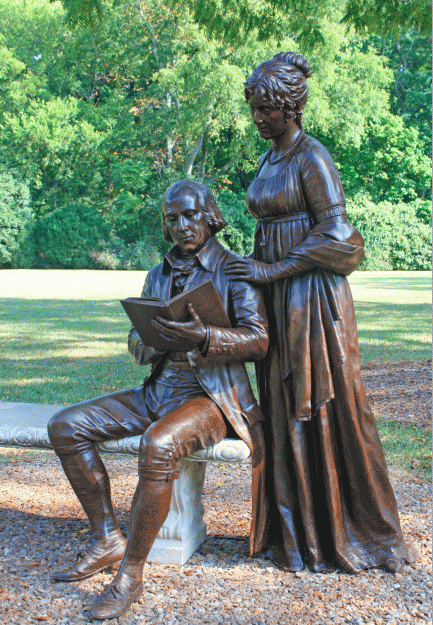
{"type": "Point", "coordinates": [283, 82]}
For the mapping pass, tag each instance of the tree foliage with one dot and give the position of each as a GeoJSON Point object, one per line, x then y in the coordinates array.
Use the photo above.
{"type": "Point", "coordinates": [394, 236]}
{"type": "Point", "coordinates": [235, 20]}
{"type": "Point", "coordinates": [386, 17]}
{"type": "Point", "coordinates": [107, 118]}
{"type": "Point", "coordinates": [82, 13]}
{"type": "Point", "coordinates": [409, 58]}
{"type": "Point", "coordinates": [16, 220]}
{"type": "Point", "coordinates": [66, 236]}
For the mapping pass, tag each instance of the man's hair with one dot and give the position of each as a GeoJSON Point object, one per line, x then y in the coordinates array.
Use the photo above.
{"type": "Point", "coordinates": [206, 201]}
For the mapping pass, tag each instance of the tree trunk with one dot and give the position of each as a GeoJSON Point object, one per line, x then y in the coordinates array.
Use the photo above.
{"type": "Point", "coordinates": [225, 168]}
{"type": "Point", "coordinates": [190, 159]}
{"type": "Point", "coordinates": [204, 154]}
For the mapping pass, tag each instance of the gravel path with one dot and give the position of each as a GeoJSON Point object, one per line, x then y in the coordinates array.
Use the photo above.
{"type": "Point", "coordinates": [219, 584]}
{"type": "Point", "coordinates": [400, 390]}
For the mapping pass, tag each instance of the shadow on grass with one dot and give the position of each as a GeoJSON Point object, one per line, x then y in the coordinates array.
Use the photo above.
{"type": "Point", "coordinates": [393, 331]}
{"type": "Point", "coordinates": [406, 447]}
{"type": "Point", "coordinates": [82, 314]}
{"type": "Point", "coordinates": [61, 381]}
{"type": "Point", "coordinates": [64, 351]}
{"type": "Point", "coordinates": [393, 281]}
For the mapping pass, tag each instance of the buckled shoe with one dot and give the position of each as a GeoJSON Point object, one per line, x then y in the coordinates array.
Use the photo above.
{"type": "Point", "coordinates": [117, 598]}
{"type": "Point", "coordinates": [101, 555]}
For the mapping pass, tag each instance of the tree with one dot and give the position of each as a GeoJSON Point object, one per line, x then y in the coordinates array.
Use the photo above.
{"type": "Point", "coordinates": [66, 236]}
{"type": "Point", "coordinates": [235, 20]}
{"type": "Point", "coordinates": [16, 220]}
{"type": "Point", "coordinates": [388, 165]}
{"type": "Point", "coordinates": [109, 117]}
{"type": "Point", "coordinates": [409, 57]}
{"type": "Point", "coordinates": [56, 150]}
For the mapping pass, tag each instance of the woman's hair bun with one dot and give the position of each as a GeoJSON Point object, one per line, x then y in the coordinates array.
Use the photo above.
{"type": "Point", "coordinates": [297, 60]}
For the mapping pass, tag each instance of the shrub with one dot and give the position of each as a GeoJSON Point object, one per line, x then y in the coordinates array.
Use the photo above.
{"type": "Point", "coordinates": [17, 248]}
{"type": "Point", "coordinates": [116, 254]}
{"type": "Point", "coordinates": [65, 237]}
{"type": "Point", "coordinates": [142, 255]}
{"type": "Point", "coordinates": [424, 211]}
{"type": "Point", "coordinates": [395, 236]}
{"type": "Point", "coordinates": [238, 235]}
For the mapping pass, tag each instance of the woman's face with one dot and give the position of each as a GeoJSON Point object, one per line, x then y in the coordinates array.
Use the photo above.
{"type": "Point", "coordinates": [270, 122]}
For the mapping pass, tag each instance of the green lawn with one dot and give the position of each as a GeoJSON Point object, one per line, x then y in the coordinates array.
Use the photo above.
{"type": "Point", "coordinates": [407, 448]}
{"type": "Point", "coordinates": [63, 333]}
{"type": "Point", "coordinates": [63, 339]}
{"type": "Point", "coordinates": [393, 310]}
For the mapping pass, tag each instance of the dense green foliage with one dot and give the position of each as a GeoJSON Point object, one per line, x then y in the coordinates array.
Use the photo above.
{"type": "Point", "coordinates": [16, 220]}
{"type": "Point", "coordinates": [238, 235]}
{"type": "Point", "coordinates": [233, 20]}
{"type": "Point", "coordinates": [67, 236]}
{"type": "Point", "coordinates": [116, 254]}
{"type": "Point", "coordinates": [395, 237]}
{"type": "Point", "coordinates": [108, 118]}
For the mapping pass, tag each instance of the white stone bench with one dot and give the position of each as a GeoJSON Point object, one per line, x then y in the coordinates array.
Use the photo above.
{"type": "Point", "coordinates": [24, 425]}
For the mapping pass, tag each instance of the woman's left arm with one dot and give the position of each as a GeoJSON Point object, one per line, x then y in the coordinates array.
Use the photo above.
{"type": "Point", "coordinates": [331, 244]}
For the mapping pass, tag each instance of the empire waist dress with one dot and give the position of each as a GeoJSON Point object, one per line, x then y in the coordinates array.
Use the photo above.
{"type": "Point", "coordinates": [331, 501]}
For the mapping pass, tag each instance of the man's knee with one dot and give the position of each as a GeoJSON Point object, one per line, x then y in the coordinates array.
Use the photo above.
{"type": "Point", "coordinates": [61, 426]}
{"type": "Point", "coordinates": [63, 430]}
{"type": "Point", "coordinates": [158, 456]}
{"type": "Point", "coordinates": [196, 425]}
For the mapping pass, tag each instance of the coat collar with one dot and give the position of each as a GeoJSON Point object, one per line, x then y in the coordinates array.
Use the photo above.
{"type": "Point", "coordinates": [207, 257]}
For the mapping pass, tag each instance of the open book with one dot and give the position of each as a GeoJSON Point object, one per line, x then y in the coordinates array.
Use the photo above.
{"type": "Point", "coordinates": [204, 299]}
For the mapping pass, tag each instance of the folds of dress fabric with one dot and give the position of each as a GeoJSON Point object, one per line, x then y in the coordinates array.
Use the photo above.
{"type": "Point", "coordinates": [330, 499]}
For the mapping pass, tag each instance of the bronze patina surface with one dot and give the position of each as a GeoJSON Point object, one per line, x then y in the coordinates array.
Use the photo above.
{"type": "Point", "coordinates": [331, 502]}
{"type": "Point", "coordinates": [191, 399]}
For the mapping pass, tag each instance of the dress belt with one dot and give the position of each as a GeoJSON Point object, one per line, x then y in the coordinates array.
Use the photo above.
{"type": "Point", "coordinates": [260, 234]}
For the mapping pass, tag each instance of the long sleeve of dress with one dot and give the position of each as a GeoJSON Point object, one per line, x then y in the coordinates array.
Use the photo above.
{"type": "Point", "coordinates": [332, 243]}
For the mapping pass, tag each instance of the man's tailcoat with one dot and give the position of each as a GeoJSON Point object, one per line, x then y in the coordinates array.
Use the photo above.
{"type": "Point", "coordinates": [221, 371]}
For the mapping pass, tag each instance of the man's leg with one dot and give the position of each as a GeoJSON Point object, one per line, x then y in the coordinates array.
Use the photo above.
{"type": "Point", "coordinates": [193, 426]}
{"type": "Point", "coordinates": [74, 433]}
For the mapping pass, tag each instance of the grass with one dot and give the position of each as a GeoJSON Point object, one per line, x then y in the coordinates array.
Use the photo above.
{"type": "Point", "coordinates": [63, 333]}
{"type": "Point", "coordinates": [393, 310]}
{"type": "Point", "coordinates": [407, 448]}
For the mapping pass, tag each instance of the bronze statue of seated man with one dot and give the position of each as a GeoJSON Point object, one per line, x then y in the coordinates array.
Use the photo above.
{"type": "Point", "coordinates": [190, 400]}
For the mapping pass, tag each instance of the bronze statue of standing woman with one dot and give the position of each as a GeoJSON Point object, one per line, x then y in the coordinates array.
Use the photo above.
{"type": "Point", "coordinates": [331, 501]}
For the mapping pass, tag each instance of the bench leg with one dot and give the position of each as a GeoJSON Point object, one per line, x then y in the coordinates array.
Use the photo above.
{"type": "Point", "coordinates": [184, 529]}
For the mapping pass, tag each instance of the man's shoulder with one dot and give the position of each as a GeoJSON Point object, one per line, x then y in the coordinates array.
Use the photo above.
{"type": "Point", "coordinates": [226, 255]}
{"type": "Point", "coordinates": [155, 272]}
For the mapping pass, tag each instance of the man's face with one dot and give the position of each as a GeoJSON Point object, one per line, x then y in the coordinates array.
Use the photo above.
{"type": "Point", "coordinates": [186, 222]}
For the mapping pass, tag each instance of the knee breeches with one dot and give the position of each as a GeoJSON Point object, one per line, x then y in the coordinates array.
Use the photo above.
{"type": "Point", "coordinates": [195, 425]}
{"type": "Point", "coordinates": [171, 427]}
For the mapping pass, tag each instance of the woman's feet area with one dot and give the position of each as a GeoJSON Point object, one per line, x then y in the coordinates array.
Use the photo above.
{"type": "Point", "coordinates": [118, 597]}
{"type": "Point", "coordinates": [102, 554]}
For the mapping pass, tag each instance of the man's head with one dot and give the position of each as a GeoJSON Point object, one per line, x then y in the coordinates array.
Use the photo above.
{"type": "Point", "coordinates": [190, 215]}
